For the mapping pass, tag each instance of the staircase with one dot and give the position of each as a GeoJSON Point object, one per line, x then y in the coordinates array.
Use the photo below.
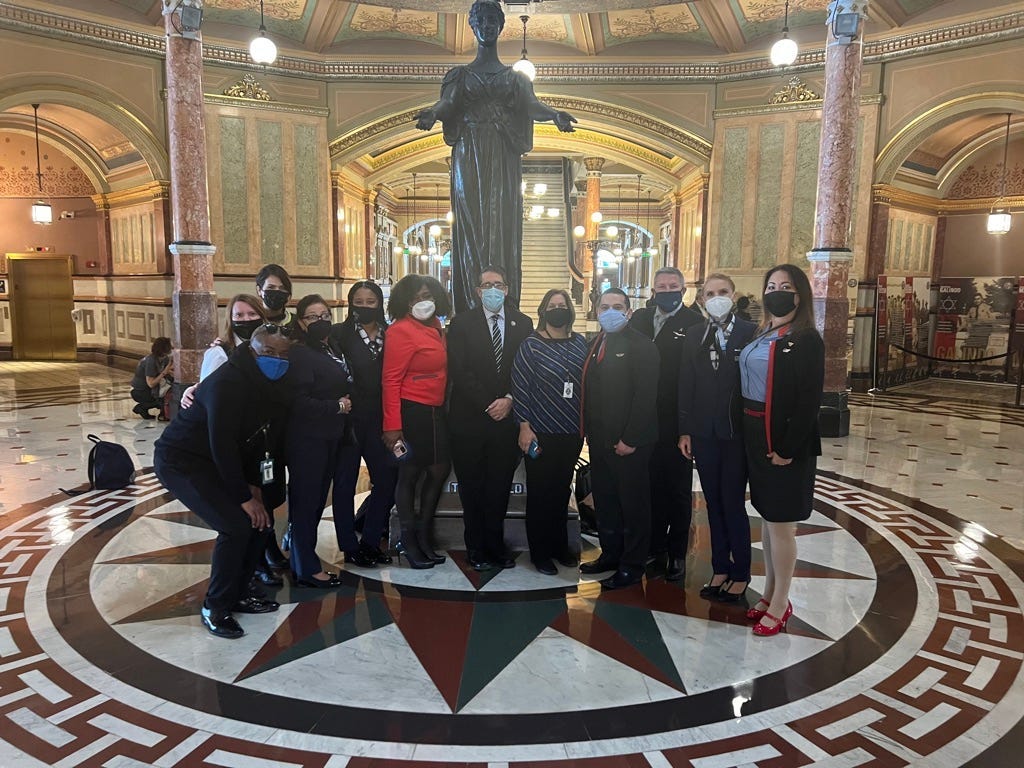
{"type": "Point", "coordinates": [545, 241]}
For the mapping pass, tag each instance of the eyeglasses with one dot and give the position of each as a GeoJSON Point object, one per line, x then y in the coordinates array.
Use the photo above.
{"type": "Point", "coordinates": [314, 318]}
{"type": "Point", "coordinates": [500, 286]}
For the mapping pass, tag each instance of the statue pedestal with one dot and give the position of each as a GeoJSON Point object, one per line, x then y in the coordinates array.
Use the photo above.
{"type": "Point", "coordinates": [449, 528]}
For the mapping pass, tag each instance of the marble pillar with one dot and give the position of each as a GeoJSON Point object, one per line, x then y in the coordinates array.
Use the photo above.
{"type": "Point", "coordinates": [831, 258]}
{"type": "Point", "coordinates": [369, 232]}
{"type": "Point", "coordinates": [702, 239]}
{"type": "Point", "coordinates": [194, 302]}
{"type": "Point", "coordinates": [593, 204]}
{"type": "Point", "coordinates": [863, 373]}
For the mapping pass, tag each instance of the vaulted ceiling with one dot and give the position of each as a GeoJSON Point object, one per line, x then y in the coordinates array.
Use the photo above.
{"type": "Point", "coordinates": [557, 28]}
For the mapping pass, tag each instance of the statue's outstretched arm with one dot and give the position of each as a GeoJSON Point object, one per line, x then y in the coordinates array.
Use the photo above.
{"type": "Point", "coordinates": [541, 112]}
{"type": "Point", "coordinates": [442, 110]}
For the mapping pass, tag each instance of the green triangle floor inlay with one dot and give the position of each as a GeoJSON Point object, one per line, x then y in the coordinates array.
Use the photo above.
{"type": "Point", "coordinates": [638, 627]}
{"type": "Point", "coordinates": [499, 633]}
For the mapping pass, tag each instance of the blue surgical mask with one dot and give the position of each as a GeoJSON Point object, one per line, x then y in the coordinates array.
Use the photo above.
{"type": "Point", "coordinates": [612, 320]}
{"type": "Point", "coordinates": [492, 298]}
{"type": "Point", "coordinates": [667, 301]}
{"type": "Point", "coordinates": [272, 367]}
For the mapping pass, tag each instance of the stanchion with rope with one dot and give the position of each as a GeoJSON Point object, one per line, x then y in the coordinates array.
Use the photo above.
{"type": "Point", "coordinates": [1020, 366]}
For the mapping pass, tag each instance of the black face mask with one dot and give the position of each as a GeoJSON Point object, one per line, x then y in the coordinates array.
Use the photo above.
{"type": "Point", "coordinates": [557, 317]}
{"type": "Point", "coordinates": [367, 315]}
{"type": "Point", "coordinates": [244, 328]}
{"type": "Point", "coordinates": [318, 329]}
{"type": "Point", "coordinates": [275, 300]}
{"type": "Point", "coordinates": [780, 303]}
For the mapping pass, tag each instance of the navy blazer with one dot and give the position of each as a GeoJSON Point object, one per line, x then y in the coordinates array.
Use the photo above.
{"type": "Point", "coordinates": [710, 400]}
{"type": "Point", "coordinates": [319, 382]}
{"type": "Point", "coordinates": [475, 380]}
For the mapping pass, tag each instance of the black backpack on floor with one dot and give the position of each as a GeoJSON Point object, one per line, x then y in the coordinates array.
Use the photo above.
{"type": "Point", "coordinates": [110, 466]}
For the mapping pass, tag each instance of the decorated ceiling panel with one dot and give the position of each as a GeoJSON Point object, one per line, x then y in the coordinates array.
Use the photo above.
{"type": "Point", "coordinates": [585, 27]}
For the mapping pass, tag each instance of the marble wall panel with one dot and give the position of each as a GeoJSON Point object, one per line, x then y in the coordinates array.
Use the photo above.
{"type": "Point", "coordinates": [133, 238]}
{"type": "Point", "coordinates": [734, 183]}
{"type": "Point", "coordinates": [769, 173]}
{"type": "Point", "coordinates": [911, 242]}
{"type": "Point", "coordinates": [271, 202]}
{"type": "Point", "coordinates": [805, 188]}
{"type": "Point", "coordinates": [234, 160]}
{"type": "Point", "coordinates": [307, 195]}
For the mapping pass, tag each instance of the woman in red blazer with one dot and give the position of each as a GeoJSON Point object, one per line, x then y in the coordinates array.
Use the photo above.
{"type": "Point", "coordinates": [413, 391]}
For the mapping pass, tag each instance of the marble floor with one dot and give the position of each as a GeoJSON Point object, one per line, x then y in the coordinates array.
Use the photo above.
{"type": "Point", "coordinates": [906, 647]}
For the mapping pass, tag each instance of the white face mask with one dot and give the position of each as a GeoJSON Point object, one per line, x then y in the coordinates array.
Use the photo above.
{"type": "Point", "coordinates": [423, 310]}
{"type": "Point", "coordinates": [718, 307]}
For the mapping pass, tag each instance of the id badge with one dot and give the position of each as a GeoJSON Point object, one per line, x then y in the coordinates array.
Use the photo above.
{"type": "Point", "coordinates": [267, 470]}
{"type": "Point", "coordinates": [567, 390]}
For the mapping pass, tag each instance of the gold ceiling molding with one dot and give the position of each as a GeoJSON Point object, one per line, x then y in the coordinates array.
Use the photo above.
{"type": "Point", "coordinates": [792, 106]}
{"type": "Point", "coordinates": [248, 88]}
{"type": "Point", "coordinates": [358, 136]}
{"type": "Point", "coordinates": [402, 151]}
{"type": "Point", "coordinates": [795, 91]}
{"type": "Point", "coordinates": [886, 194]}
{"type": "Point", "coordinates": [1008, 26]}
{"type": "Point", "coordinates": [144, 193]}
{"type": "Point", "coordinates": [267, 106]}
{"type": "Point", "coordinates": [593, 138]}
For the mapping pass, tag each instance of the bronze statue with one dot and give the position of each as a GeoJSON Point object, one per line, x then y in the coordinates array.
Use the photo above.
{"type": "Point", "coordinates": [487, 110]}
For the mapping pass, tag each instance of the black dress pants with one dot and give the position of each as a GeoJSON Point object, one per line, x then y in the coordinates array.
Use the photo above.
{"type": "Point", "coordinates": [671, 499]}
{"type": "Point", "coordinates": [383, 469]}
{"type": "Point", "coordinates": [722, 466]}
{"type": "Point", "coordinates": [548, 480]}
{"type": "Point", "coordinates": [313, 463]}
{"type": "Point", "coordinates": [622, 499]}
{"type": "Point", "coordinates": [197, 484]}
{"type": "Point", "coordinates": [485, 463]}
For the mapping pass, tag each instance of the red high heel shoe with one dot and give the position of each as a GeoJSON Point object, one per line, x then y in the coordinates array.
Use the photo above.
{"type": "Point", "coordinates": [763, 630]}
{"type": "Point", "coordinates": [755, 613]}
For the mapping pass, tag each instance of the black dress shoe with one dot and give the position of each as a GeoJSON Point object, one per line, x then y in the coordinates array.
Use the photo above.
{"type": "Point", "coordinates": [142, 411]}
{"type": "Point", "coordinates": [312, 582]}
{"type": "Point", "coordinates": [546, 566]}
{"type": "Point", "coordinates": [380, 557]}
{"type": "Point", "coordinates": [479, 562]}
{"type": "Point", "coordinates": [221, 624]}
{"type": "Point", "coordinates": [268, 577]}
{"type": "Point", "coordinates": [506, 560]}
{"type": "Point", "coordinates": [255, 605]}
{"type": "Point", "coordinates": [362, 558]}
{"type": "Point", "coordinates": [624, 577]}
{"type": "Point", "coordinates": [569, 560]}
{"type": "Point", "coordinates": [675, 569]}
{"type": "Point", "coordinates": [599, 566]}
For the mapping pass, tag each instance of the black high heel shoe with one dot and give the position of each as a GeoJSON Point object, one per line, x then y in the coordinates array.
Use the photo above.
{"type": "Point", "coordinates": [416, 559]}
{"type": "Point", "coordinates": [725, 596]}
{"type": "Point", "coordinates": [709, 590]}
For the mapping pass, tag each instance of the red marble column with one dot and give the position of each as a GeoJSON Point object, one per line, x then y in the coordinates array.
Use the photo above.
{"type": "Point", "coordinates": [702, 238]}
{"type": "Point", "coordinates": [193, 299]}
{"type": "Point", "coordinates": [832, 257]}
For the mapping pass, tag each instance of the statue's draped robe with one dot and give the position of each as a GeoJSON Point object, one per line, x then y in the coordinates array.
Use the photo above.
{"type": "Point", "coordinates": [489, 129]}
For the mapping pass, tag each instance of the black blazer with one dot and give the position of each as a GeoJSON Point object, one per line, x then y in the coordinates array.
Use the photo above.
{"type": "Point", "coordinates": [619, 388]}
{"type": "Point", "coordinates": [475, 379]}
{"type": "Point", "coordinates": [710, 400]}
{"type": "Point", "coordinates": [366, 370]}
{"type": "Point", "coordinates": [224, 425]}
{"type": "Point", "coordinates": [318, 382]}
{"type": "Point", "coordinates": [796, 377]}
{"type": "Point", "coordinates": [670, 349]}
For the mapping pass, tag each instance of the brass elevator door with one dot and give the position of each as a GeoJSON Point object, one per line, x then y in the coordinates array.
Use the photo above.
{"type": "Point", "coordinates": [42, 299]}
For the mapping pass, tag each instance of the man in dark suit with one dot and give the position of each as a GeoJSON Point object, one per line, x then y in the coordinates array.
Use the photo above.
{"type": "Point", "coordinates": [665, 322]}
{"type": "Point", "coordinates": [482, 344]}
{"type": "Point", "coordinates": [620, 421]}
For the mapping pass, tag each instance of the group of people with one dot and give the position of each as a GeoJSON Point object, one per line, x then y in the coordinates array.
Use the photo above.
{"type": "Point", "coordinates": [290, 406]}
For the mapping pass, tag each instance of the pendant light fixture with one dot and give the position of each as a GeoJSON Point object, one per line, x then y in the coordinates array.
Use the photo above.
{"type": "Point", "coordinates": [999, 217]}
{"type": "Point", "coordinates": [524, 66]}
{"type": "Point", "coordinates": [262, 48]}
{"type": "Point", "coordinates": [784, 52]}
{"type": "Point", "coordinates": [42, 213]}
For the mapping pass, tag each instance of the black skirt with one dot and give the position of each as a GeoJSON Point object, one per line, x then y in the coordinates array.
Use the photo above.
{"type": "Point", "coordinates": [780, 494]}
{"type": "Point", "coordinates": [425, 431]}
